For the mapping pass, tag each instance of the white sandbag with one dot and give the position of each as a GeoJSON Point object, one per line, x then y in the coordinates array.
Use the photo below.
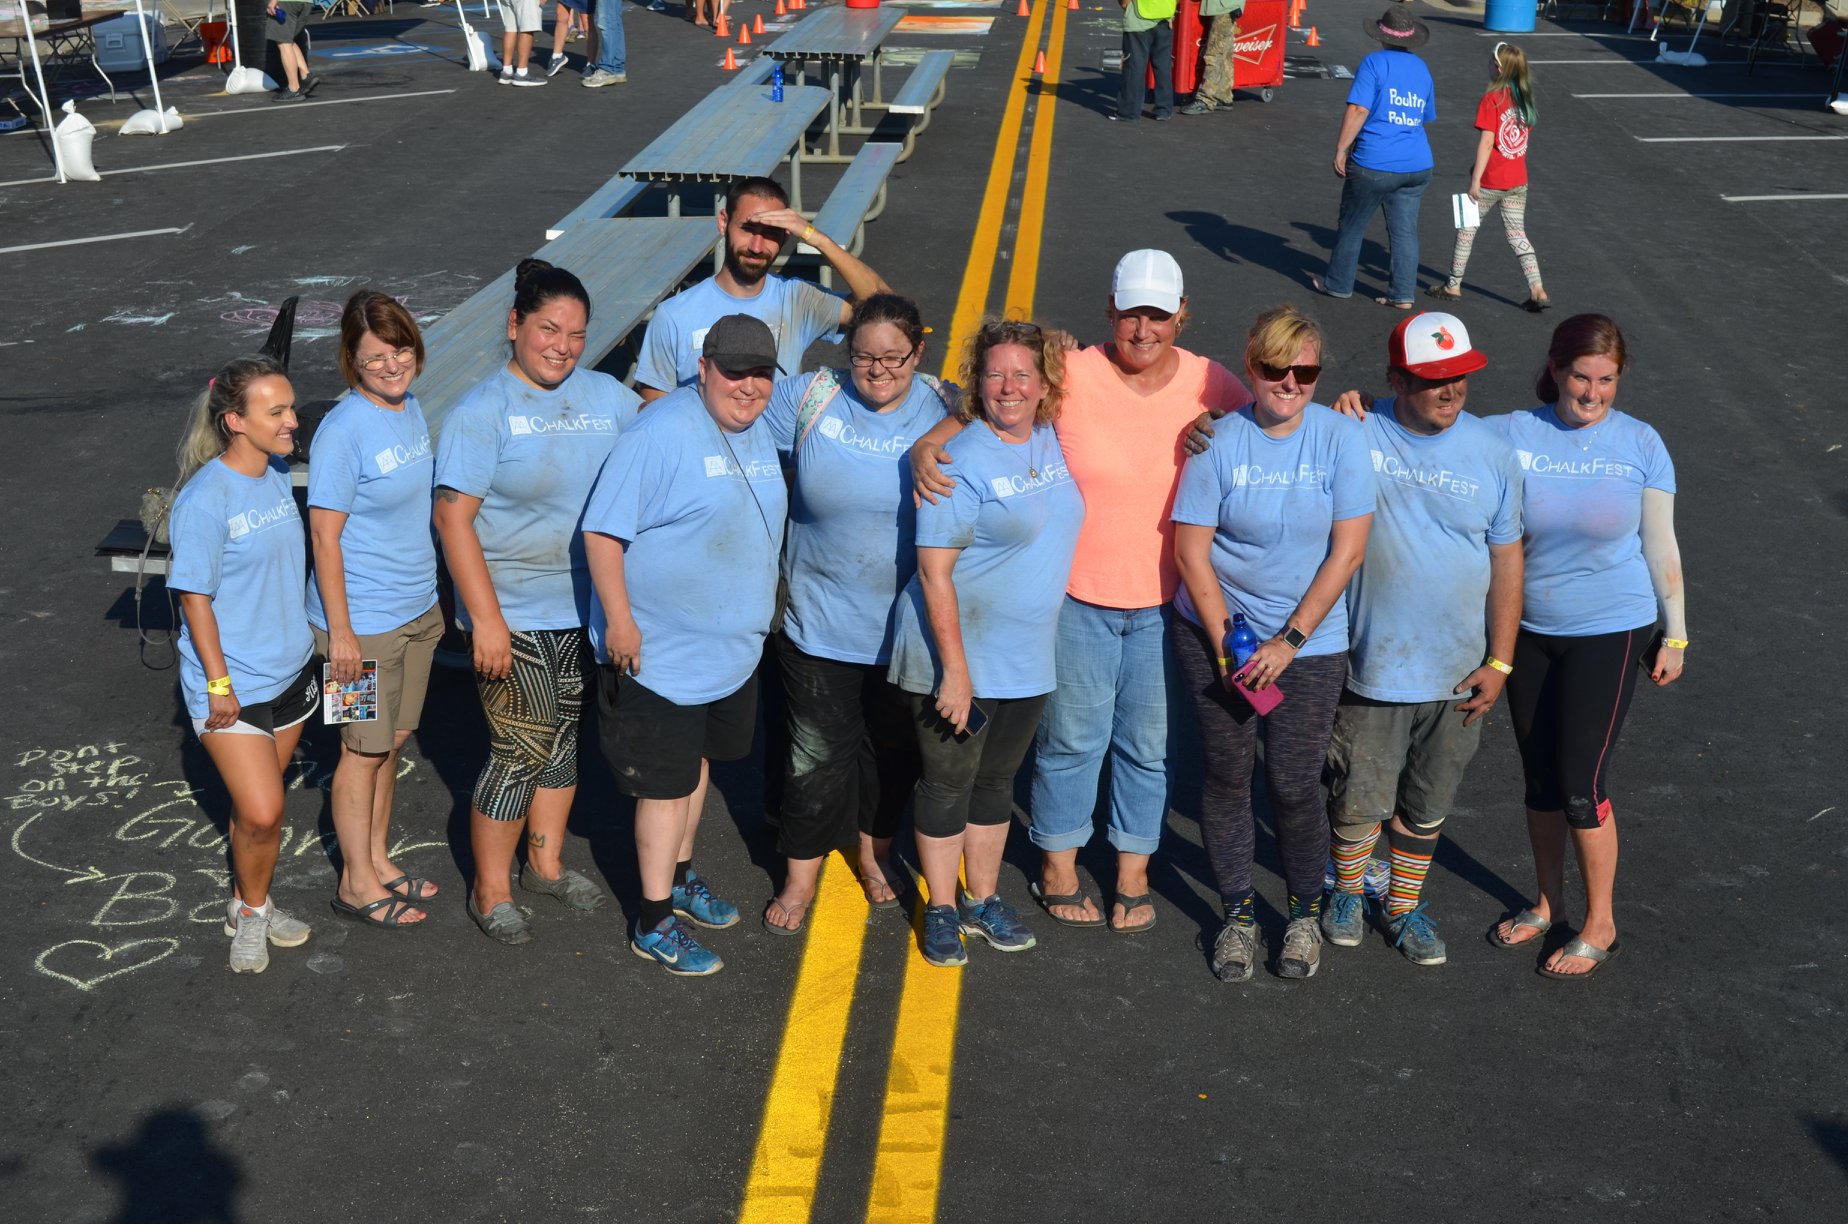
{"type": "Point", "coordinates": [152, 122]}
{"type": "Point", "coordinates": [1681, 59]}
{"type": "Point", "coordinates": [74, 134]}
{"type": "Point", "coordinates": [480, 46]}
{"type": "Point", "coordinates": [249, 80]}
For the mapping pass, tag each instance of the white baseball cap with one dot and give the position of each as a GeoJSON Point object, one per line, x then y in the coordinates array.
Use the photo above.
{"type": "Point", "coordinates": [1432, 344]}
{"type": "Point", "coordinates": [1147, 278]}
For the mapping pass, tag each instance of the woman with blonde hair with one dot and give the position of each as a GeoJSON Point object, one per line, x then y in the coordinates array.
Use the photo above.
{"type": "Point", "coordinates": [1505, 117]}
{"type": "Point", "coordinates": [246, 668]}
{"type": "Point", "coordinates": [1271, 520]}
{"type": "Point", "coordinates": [976, 628]}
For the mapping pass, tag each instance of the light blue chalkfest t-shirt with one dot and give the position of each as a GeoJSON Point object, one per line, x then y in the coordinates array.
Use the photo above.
{"type": "Point", "coordinates": [1017, 531]}
{"type": "Point", "coordinates": [374, 465]}
{"type": "Point", "coordinates": [1274, 502]}
{"type": "Point", "coordinates": [797, 313]}
{"type": "Point", "coordinates": [1583, 517]}
{"type": "Point", "coordinates": [1418, 605]}
{"type": "Point", "coordinates": [1396, 89]}
{"type": "Point", "coordinates": [239, 541]}
{"type": "Point", "coordinates": [531, 456]}
{"type": "Point", "coordinates": [701, 513]}
{"type": "Point", "coordinates": [850, 549]}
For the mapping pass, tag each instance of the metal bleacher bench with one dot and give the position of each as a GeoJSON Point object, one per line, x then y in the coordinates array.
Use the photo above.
{"type": "Point", "coordinates": [859, 197]}
{"type": "Point", "coordinates": [922, 92]}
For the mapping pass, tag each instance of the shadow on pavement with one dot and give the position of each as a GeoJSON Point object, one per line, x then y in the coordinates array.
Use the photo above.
{"type": "Point", "coordinates": [172, 1173]}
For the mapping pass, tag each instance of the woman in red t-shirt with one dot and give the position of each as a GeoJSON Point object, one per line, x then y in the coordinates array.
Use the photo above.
{"type": "Point", "coordinates": [1506, 118]}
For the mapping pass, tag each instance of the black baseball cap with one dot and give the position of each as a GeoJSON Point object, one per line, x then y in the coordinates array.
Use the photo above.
{"type": "Point", "coordinates": [740, 342]}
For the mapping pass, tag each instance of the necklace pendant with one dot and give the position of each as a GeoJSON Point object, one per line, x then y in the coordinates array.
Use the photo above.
{"type": "Point", "coordinates": [1032, 473]}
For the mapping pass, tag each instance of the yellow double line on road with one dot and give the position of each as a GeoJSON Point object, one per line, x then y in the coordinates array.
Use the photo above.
{"type": "Point", "coordinates": [792, 1141]}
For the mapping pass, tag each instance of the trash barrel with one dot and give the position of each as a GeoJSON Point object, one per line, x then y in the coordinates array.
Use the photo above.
{"type": "Point", "coordinates": [1510, 16]}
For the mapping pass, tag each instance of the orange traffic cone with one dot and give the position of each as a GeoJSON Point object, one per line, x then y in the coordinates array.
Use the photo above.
{"type": "Point", "coordinates": [757, 26]}
{"type": "Point", "coordinates": [780, 9]}
{"type": "Point", "coordinates": [1022, 10]}
{"type": "Point", "coordinates": [719, 30]}
{"type": "Point", "coordinates": [744, 35]}
{"type": "Point", "coordinates": [1072, 5]}
{"type": "Point", "coordinates": [1039, 64]}
{"type": "Point", "coordinates": [731, 61]}
{"type": "Point", "coordinates": [1314, 39]}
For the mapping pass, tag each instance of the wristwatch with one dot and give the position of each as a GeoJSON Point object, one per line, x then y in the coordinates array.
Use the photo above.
{"type": "Point", "coordinates": [1293, 637]}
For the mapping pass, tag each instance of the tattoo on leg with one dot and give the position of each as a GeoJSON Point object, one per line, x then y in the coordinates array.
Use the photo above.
{"type": "Point", "coordinates": [536, 840]}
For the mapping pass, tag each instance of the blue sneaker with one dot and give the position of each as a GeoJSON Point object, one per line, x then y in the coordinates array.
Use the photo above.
{"type": "Point", "coordinates": [1344, 919]}
{"type": "Point", "coordinates": [695, 902]}
{"type": "Point", "coordinates": [675, 950]}
{"type": "Point", "coordinates": [995, 921]}
{"type": "Point", "coordinates": [1415, 934]}
{"type": "Point", "coordinates": [941, 941]}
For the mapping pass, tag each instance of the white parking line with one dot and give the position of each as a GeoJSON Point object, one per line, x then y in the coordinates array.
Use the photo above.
{"type": "Point", "coordinates": [1799, 196]}
{"type": "Point", "coordinates": [1810, 94]}
{"type": "Point", "coordinates": [42, 246]}
{"type": "Point", "coordinates": [1728, 139]}
{"type": "Point", "coordinates": [273, 109]}
{"type": "Point", "coordinates": [209, 161]}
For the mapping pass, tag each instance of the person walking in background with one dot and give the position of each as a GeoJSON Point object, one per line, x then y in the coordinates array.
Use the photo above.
{"type": "Point", "coordinates": [1383, 157]}
{"type": "Point", "coordinates": [1148, 38]}
{"type": "Point", "coordinates": [1505, 118]}
{"type": "Point", "coordinates": [283, 28]}
{"type": "Point", "coordinates": [1217, 65]}
{"type": "Point", "coordinates": [520, 21]}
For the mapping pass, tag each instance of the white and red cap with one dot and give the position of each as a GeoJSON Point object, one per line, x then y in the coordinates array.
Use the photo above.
{"type": "Point", "coordinates": [1432, 344]}
{"type": "Point", "coordinates": [1147, 278]}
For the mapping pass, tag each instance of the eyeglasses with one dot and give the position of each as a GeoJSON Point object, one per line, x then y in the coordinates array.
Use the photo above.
{"type": "Point", "coordinates": [866, 361]}
{"type": "Point", "coordinates": [404, 357]}
{"type": "Point", "coordinates": [1305, 374]}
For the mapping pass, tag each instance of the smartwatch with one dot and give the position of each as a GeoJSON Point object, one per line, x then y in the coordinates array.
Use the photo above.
{"type": "Point", "coordinates": [1293, 637]}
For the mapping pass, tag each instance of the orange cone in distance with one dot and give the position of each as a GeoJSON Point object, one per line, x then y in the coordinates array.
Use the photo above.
{"type": "Point", "coordinates": [1039, 64]}
{"type": "Point", "coordinates": [719, 29]}
{"type": "Point", "coordinates": [1314, 39]}
{"type": "Point", "coordinates": [1072, 5]}
{"type": "Point", "coordinates": [1022, 10]}
{"type": "Point", "coordinates": [744, 35]}
{"type": "Point", "coordinates": [757, 26]}
{"type": "Point", "coordinates": [731, 61]}
{"type": "Point", "coordinates": [780, 9]}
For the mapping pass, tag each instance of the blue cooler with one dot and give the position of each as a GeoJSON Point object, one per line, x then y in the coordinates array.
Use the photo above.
{"type": "Point", "coordinates": [1510, 16]}
{"type": "Point", "coordinates": [118, 42]}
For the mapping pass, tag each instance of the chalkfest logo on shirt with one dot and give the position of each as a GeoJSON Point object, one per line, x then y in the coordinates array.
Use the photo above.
{"type": "Point", "coordinates": [1010, 486]}
{"type": "Point", "coordinates": [581, 423]}
{"type": "Point", "coordinates": [837, 430]}
{"type": "Point", "coordinates": [394, 457]}
{"type": "Point", "coordinates": [256, 520]}
{"type": "Point", "coordinates": [1256, 476]}
{"type": "Point", "coordinates": [755, 470]}
{"type": "Point", "coordinates": [1593, 469]}
{"type": "Point", "coordinates": [1432, 480]}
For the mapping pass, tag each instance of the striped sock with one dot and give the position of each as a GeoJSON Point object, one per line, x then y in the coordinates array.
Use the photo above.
{"type": "Point", "coordinates": [1310, 908]}
{"type": "Point", "coordinates": [1242, 911]}
{"type": "Point", "coordinates": [1351, 860]}
{"type": "Point", "coordinates": [1411, 859]}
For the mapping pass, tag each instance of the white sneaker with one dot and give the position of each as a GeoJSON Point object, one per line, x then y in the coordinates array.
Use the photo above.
{"type": "Point", "coordinates": [285, 929]}
{"type": "Point", "coordinates": [602, 77]}
{"type": "Point", "coordinates": [250, 945]}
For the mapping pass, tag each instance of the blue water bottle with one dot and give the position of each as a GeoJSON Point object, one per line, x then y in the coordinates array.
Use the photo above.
{"type": "Point", "coordinates": [1241, 643]}
{"type": "Point", "coordinates": [776, 82]}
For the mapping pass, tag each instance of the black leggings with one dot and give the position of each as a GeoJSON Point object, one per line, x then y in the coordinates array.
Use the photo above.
{"type": "Point", "coordinates": [1567, 698]}
{"type": "Point", "coordinates": [970, 780]}
{"type": "Point", "coordinates": [1295, 745]}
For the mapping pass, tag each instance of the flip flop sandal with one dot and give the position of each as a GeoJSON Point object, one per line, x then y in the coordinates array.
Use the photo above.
{"type": "Point", "coordinates": [1131, 905]}
{"type": "Point", "coordinates": [394, 908]}
{"type": "Point", "coordinates": [1316, 283]}
{"type": "Point", "coordinates": [1584, 951]}
{"type": "Point", "coordinates": [890, 903]}
{"type": "Point", "coordinates": [1048, 900]}
{"type": "Point", "coordinates": [1527, 918]}
{"type": "Point", "coordinates": [1441, 294]}
{"type": "Point", "coordinates": [1392, 305]}
{"type": "Point", "coordinates": [411, 887]}
{"type": "Point", "coordinates": [774, 929]}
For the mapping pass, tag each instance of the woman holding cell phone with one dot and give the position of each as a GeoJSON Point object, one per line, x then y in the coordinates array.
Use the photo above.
{"type": "Point", "coordinates": [976, 628]}
{"type": "Point", "coordinates": [246, 656]}
{"type": "Point", "coordinates": [1271, 520]}
{"type": "Point", "coordinates": [373, 600]}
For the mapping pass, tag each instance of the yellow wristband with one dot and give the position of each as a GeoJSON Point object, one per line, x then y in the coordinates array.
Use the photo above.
{"type": "Point", "coordinates": [808, 232]}
{"type": "Point", "coordinates": [1499, 666]}
{"type": "Point", "coordinates": [1224, 662]}
{"type": "Point", "coordinates": [220, 687]}
{"type": "Point", "coordinates": [1675, 643]}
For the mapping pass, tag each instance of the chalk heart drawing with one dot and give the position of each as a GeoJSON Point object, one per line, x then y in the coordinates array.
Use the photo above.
{"type": "Point", "coordinates": [133, 955]}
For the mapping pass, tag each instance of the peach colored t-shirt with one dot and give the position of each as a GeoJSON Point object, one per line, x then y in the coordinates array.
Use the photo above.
{"type": "Point", "coordinates": [1124, 450]}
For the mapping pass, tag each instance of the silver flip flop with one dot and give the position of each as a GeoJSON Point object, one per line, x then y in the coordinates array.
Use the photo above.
{"type": "Point", "coordinates": [1526, 918]}
{"type": "Point", "coordinates": [1579, 948]}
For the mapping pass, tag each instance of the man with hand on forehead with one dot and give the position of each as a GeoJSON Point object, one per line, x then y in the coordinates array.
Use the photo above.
{"type": "Point", "coordinates": [1432, 617]}
{"type": "Point", "coordinates": [683, 532]}
{"type": "Point", "coordinates": [755, 223]}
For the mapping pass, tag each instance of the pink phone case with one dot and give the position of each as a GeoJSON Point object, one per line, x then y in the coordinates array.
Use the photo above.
{"type": "Point", "coordinates": [1262, 700]}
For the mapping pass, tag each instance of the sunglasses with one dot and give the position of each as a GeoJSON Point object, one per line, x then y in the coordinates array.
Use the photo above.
{"type": "Point", "coordinates": [1305, 374]}
{"type": "Point", "coordinates": [1008, 328]}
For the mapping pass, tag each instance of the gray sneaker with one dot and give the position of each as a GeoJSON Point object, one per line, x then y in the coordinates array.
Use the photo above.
{"type": "Point", "coordinates": [528, 81]}
{"type": "Point", "coordinates": [574, 890]}
{"type": "Point", "coordinates": [1344, 919]}
{"type": "Point", "coordinates": [554, 65]}
{"type": "Point", "coordinates": [1302, 949]}
{"type": "Point", "coordinates": [1235, 951]}
{"type": "Point", "coordinates": [250, 945]}
{"type": "Point", "coordinates": [1414, 934]}
{"type": "Point", "coordinates": [285, 929]}
{"type": "Point", "coordinates": [603, 76]}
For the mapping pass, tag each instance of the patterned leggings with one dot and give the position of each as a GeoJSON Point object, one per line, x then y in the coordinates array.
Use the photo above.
{"type": "Point", "coordinates": [532, 722]}
{"type": "Point", "coordinates": [1514, 220]}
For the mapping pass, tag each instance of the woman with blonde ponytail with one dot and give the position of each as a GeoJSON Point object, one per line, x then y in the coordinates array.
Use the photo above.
{"type": "Point", "coordinates": [246, 670]}
{"type": "Point", "coordinates": [1505, 117]}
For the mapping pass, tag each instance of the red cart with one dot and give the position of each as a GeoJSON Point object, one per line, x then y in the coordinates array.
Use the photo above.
{"type": "Point", "coordinates": [1257, 55]}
